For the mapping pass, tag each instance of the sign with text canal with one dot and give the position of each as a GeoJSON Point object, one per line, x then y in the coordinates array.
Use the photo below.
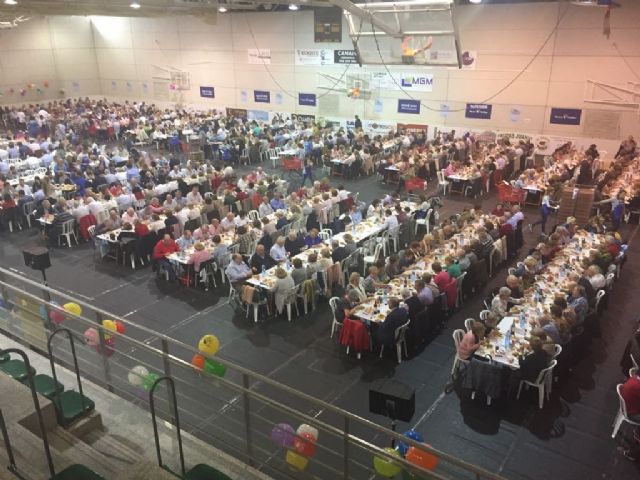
{"type": "Point", "coordinates": [207, 92]}
{"type": "Point", "coordinates": [261, 96]}
{"type": "Point", "coordinates": [565, 116]}
{"type": "Point", "coordinates": [481, 111]}
{"type": "Point", "coordinates": [408, 106]}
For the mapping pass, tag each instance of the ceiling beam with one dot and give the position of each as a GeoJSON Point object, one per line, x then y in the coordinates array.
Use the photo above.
{"type": "Point", "coordinates": [367, 16]}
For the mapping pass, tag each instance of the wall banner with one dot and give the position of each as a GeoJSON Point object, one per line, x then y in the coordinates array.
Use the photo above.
{"type": "Point", "coordinates": [207, 92]}
{"type": "Point", "coordinates": [408, 106]}
{"type": "Point", "coordinates": [345, 57]}
{"type": "Point", "coordinates": [565, 116]}
{"type": "Point", "coordinates": [237, 113]}
{"type": "Point", "coordinates": [307, 99]}
{"type": "Point", "coordinates": [261, 96]}
{"type": "Point", "coordinates": [261, 115]}
{"type": "Point", "coordinates": [314, 56]}
{"type": "Point", "coordinates": [480, 111]}
{"type": "Point", "coordinates": [296, 117]}
{"type": "Point", "coordinates": [422, 82]}
{"type": "Point", "coordinates": [412, 127]}
{"type": "Point", "coordinates": [259, 56]}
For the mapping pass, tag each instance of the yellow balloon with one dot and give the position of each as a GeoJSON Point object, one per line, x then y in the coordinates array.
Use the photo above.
{"type": "Point", "coordinates": [109, 325]}
{"type": "Point", "coordinates": [209, 345]}
{"type": "Point", "coordinates": [297, 461]}
{"type": "Point", "coordinates": [73, 308]}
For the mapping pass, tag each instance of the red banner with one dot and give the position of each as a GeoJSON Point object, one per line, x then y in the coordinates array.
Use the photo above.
{"type": "Point", "coordinates": [412, 127]}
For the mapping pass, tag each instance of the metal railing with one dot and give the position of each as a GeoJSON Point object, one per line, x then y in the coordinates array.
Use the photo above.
{"type": "Point", "coordinates": [235, 413]}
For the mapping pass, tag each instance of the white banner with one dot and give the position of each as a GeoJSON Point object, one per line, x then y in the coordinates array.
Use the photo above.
{"type": "Point", "coordinates": [410, 82]}
{"type": "Point", "coordinates": [314, 56]}
{"type": "Point", "coordinates": [259, 56]}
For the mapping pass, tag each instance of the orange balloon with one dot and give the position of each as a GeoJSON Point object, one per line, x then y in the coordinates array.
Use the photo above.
{"type": "Point", "coordinates": [198, 361]}
{"type": "Point", "coordinates": [421, 458]}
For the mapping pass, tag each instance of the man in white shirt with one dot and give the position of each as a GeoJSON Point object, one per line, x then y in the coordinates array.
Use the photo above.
{"type": "Point", "coordinates": [278, 252]}
{"type": "Point", "coordinates": [169, 203]}
{"type": "Point", "coordinates": [265, 209]}
{"type": "Point", "coordinates": [24, 187]}
{"type": "Point", "coordinates": [390, 221]}
{"type": "Point", "coordinates": [94, 206]}
{"type": "Point", "coordinates": [516, 216]}
{"type": "Point", "coordinates": [125, 199]}
{"type": "Point", "coordinates": [80, 210]}
{"type": "Point", "coordinates": [228, 222]}
{"type": "Point", "coordinates": [194, 197]}
{"type": "Point", "coordinates": [182, 215]}
{"type": "Point", "coordinates": [129, 216]}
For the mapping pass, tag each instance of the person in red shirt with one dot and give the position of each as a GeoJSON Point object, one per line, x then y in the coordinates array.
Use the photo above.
{"type": "Point", "coordinates": [630, 393]}
{"type": "Point", "coordinates": [163, 248]}
{"type": "Point", "coordinates": [140, 228]}
{"type": "Point", "coordinates": [498, 211]}
{"type": "Point", "coordinates": [445, 283]}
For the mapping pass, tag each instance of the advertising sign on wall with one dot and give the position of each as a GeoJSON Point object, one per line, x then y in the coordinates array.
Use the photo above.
{"type": "Point", "coordinates": [207, 92]}
{"type": "Point", "coordinates": [296, 117]}
{"type": "Point", "coordinates": [481, 111]}
{"type": "Point", "coordinates": [565, 116]}
{"type": "Point", "coordinates": [261, 115]}
{"type": "Point", "coordinates": [345, 57]}
{"type": "Point", "coordinates": [413, 127]}
{"type": "Point", "coordinates": [314, 56]}
{"type": "Point", "coordinates": [307, 99]}
{"type": "Point", "coordinates": [261, 96]}
{"type": "Point", "coordinates": [422, 82]}
{"type": "Point", "coordinates": [408, 106]}
{"type": "Point", "coordinates": [259, 56]}
{"type": "Point", "coordinates": [237, 113]}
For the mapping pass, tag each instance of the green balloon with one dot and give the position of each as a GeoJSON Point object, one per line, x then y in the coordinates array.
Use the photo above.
{"type": "Point", "coordinates": [410, 476]}
{"type": "Point", "coordinates": [214, 368]}
{"type": "Point", "coordinates": [385, 467]}
{"type": "Point", "coordinates": [149, 380]}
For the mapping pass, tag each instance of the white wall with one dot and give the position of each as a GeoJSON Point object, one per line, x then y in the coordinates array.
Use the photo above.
{"type": "Point", "coordinates": [115, 57]}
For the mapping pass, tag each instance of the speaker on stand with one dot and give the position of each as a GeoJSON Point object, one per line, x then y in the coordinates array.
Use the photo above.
{"type": "Point", "coordinates": [392, 399]}
{"type": "Point", "coordinates": [38, 259]}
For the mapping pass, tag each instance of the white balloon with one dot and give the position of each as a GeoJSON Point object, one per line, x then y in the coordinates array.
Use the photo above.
{"type": "Point", "coordinates": [137, 375]}
{"type": "Point", "coordinates": [304, 428]}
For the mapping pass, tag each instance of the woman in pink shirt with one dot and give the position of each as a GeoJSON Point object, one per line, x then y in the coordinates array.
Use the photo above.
{"type": "Point", "coordinates": [471, 341]}
{"type": "Point", "coordinates": [199, 256]}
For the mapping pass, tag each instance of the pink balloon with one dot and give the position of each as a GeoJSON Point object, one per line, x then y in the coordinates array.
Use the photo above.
{"type": "Point", "coordinates": [91, 337]}
{"type": "Point", "coordinates": [56, 316]}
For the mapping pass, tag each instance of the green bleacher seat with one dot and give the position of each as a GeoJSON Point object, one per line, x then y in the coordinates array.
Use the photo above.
{"type": "Point", "coordinates": [16, 369]}
{"type": "Point", "coordinates": [205, 472]}
{"type": "Point", "coordinates": [46, 385]}
{"type": "Point", "coordinates": [4, 358]}
{"type": "Point", "coordinates": [77, 472]}
{"type": "Point", "coordinates": [69, 406]}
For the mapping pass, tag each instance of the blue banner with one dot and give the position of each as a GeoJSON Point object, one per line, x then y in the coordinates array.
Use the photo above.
{"type": "Point", "coordinates": [478, 110]}
{"type": "Point", "coordinates": [261, 96]}
{"type": "Point", "coordinates": [307, 99]}
{"type": "Point", "coordinates": [408, 106]}
{"type": "Point", "coordinates": [207, 92]}
{"type": "Point", "coordinates": [565, 116]}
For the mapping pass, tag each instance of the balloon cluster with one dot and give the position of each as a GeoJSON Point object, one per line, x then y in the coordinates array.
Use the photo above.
{"type": "Point", "coordinates": [141, 378]}
{"type": "Point", "coordinates": [300, 443]}
{"type": "Point", "coordinates": [92, 337]}
{"type": "Point", "coordinates": [386, 467]}
{"type": "Point", "coordinates": [173, 86]}
{"type": "Point", "coordinates": [209, 346]}
{"type": "Point", "coordinates": [354, 92]}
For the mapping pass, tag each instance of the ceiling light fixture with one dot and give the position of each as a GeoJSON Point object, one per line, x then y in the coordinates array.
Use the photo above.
{"type": "Point", "coordinates": [135, 5]}
{"type": "Point", "coordinates": [293, 7]}
{"type": "Point", "coordinates": [222, 9]}
{"type": "Point", "coordinates": [10, 2]}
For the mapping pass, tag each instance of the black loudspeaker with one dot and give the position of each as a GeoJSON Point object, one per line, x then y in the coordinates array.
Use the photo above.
{"type": "Point", "coordinates": [392, 399]}
{"type": "Point", "coordinates": [37, 258]}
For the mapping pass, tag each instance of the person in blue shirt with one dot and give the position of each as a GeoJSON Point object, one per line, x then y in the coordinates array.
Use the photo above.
{"type": "Point", "coordinates": [355, 214]}
{"type": "Point", "coordinates": [307, 172]}
{"type": "Point", "coordinates": [312, 238]}
{"type": "Point", "coordinates": [277, 203]}
{"type": "Point", "coordinates": [80, 183]}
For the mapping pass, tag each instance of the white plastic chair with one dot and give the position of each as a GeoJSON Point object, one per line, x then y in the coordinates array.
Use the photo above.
{"type": "Point", "coordinates": [541, 383]}
{"type": "Point", "coordinates": [68, 231]}
{"type": "Point", "coordinates": [459, 282]}
{"type": "Point", "coordinates": [424, 221]}
{"type": "Point", "coordinates": [610, 279]}
{"type": "Point", "coordinates": [273, 156]}
{"type": "Point", "coordinates": [401, 341]}
{"type": "Point", "coordinates": [468, 323]}
{"type": "Point", "coordinates": [333, 303]}
{"type": "Point", "coordinates": [457, 338]}
{"type": "Point", "coordinates": [484, 314]}
{"type": "Point", "coordinates": [371, 259]}
{"type": "Point", "coordinates": [622, 416]}
{"type": "Point", "coordinates": [325, 234]}
{"type": "Point", "coordinates": [442, 182]}
{"type": "Point", "coordinates": [292, 299]}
